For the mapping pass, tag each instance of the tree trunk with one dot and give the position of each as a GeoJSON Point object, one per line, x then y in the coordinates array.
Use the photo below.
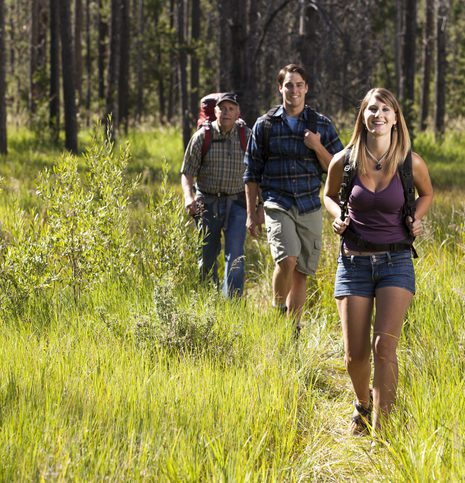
{"type": "Point", "coordinates": [37, 59]}
{"type": "Point", "coordinates": [399, 48]}
{"type": "Point", "coordinates": [102, 34]}
{"type": "Point", "coordinates": [195, 65]}
{"type": "Point", "coordinates": [173, 83]}
{"type": "Point", "coordinates": [3, 133]}
{"type": "Point", "coordinates": [182, 59]}
{"type": "Point", "coordinates": [67, 62]}
{"type": "Point", "coordinates": [443, 10]}
{"type": "Point", "coordinates": [114, 66]}
{"type": "Point", "coordinates": [139, 59]}
{"type": "Point", "coordinates": [78, 47]}
{"type": "Point", "coordinates": [409, 62]}
{"type": "Point", "coordinates": [88, 64]}
{"type": "Point", "coordinates": [250, 97]}
{"type": "Point", "coordinates": [54, 99]}
{"type": "Point", "coordinates": [428, 38]}
{"type": "Point", "coordinates": [123, 81]}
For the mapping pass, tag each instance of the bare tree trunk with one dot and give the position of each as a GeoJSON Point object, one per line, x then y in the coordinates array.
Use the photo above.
{"type": "Point", "coordinates": [67, 62]}
{"type": "Point", "coordinates": [139, 59]}
{"type": "Point", "coordinates": [102, 34]}
{"type": "Point", "coordinates": [443, 11]}
{"type": "Point", "coordinates": [114, 66]}
{"type": "Point", "coordinates": [173, 91]}
{"type": "Point", "coordinates": [195, 65]}
{"type": "Point", "coordinates": [123, 81]}
{"type": "Point", "coordinates": [186, 127]}
{"type": "Point", "coordinates": [37, 53]}
{"type": "Point", "coordinates": [54, 100]}
{"type": "Point", "coordinates": [428, 38]}
{"type": "Point", "coordinates": [78, 47]}
{"type": "Point", "coordinates": [250, 97]}
{"type": "Point", "coordinates": [399, 47]}
{"type": "Point", "coordinates": [3, 131]}
{"type": "Point", "coordinates": [88, 64]}
{"type": "Point", "coordinates": [409, 62]}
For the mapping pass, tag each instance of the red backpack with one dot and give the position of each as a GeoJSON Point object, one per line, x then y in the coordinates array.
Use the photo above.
{"type": "Point", "coordinates": [207, 116]}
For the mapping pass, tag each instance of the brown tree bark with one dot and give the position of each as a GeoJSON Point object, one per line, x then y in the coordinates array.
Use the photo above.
{"type": "Point", "coordinates": [67, 62]}
{"type": "Point", "coordinates": [195, 64]}
{"type": "Point", "coordinates": [114, 67]}
{"type": "Point", "coordinates": [123, 80]}
{"type": "Point", "coordinates": [54, 99]}
{"type": "Point", "coordinates": [3, 129]}
{"type": "Point", "coordinates": [441, 67]}
{"type": "Point", "coordinates": [37, 55]}
{"type": "Point", "coordinates": [140, 26]}
{"type": "Point", "coordinates": [428, 38]}
{"type": "Point", "coordinates": [78, 47]}
{"type": "Point", "coordinates": [182, 63]}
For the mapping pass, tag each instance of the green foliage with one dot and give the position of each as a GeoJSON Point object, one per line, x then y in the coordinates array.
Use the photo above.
{"type": "Point", "coordinates": [80, 235]}
{"type": "Point", "coordinates": [167, 241]}
{"type": "Point", "coordinates": [185, 329]}
{"type": "Point", "coordinates": [152, 377]}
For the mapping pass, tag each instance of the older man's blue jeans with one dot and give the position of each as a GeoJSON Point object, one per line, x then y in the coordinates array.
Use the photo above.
{"type": "Point", "coordinates": [227, 217]}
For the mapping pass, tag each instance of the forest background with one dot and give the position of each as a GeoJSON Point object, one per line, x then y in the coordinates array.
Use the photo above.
{"type": "Point", "coordinates": [150, 61]}
{"type": "Point", "coordinates": [115, 363]}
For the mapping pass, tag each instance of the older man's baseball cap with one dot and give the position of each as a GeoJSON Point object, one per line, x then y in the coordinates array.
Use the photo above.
{"type": "Point", "coordinates": [227, 96]}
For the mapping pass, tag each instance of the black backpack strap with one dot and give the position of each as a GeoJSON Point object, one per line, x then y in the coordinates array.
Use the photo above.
{"type": "Point", "coordinates": [406, 177]}
{"type": "Point", "coordinates": [312, 118]}
{"type": "Point", "coordinates": [346, 184]}
{"type": "Point", "coordinates": [266, 131]}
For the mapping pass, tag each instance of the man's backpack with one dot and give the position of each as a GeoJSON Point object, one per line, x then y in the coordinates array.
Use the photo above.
{"type": "Point", "coordinates": [207, 116]}
{"type": "Point", "coordinates": [406, 177]}
{"type": "Point", "coordinates": [270, 118]}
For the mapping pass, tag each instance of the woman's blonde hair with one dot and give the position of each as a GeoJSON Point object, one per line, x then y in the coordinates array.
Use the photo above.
{"type": "Point", "coordinates": [400, 138]}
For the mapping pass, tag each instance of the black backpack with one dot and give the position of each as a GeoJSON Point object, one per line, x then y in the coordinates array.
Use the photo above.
{"type": "Point", "coordinates": [406, 177]}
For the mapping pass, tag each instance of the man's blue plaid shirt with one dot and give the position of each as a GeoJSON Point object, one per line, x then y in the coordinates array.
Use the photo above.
{"type": "Point", "coordinates": [292, 173]}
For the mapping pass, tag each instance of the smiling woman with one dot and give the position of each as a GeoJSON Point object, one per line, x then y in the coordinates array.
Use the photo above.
{"type": "Point", "coordinates": [375, 269]}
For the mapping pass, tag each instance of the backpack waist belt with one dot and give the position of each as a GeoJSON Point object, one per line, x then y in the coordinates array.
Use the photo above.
{"type": "Point", "coordinates": [382, 247]}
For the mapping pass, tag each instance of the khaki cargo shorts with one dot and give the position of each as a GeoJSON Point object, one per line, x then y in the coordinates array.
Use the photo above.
{"type": "Point", "coordinates": [291, 234]}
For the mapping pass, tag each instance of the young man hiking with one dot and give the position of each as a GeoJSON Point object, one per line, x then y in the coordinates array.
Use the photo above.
{"type": "Point", "coordinates": [290, 148]}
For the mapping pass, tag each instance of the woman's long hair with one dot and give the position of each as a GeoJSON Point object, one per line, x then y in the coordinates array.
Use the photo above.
{"type": "Point", "coordinates": [400, 138]}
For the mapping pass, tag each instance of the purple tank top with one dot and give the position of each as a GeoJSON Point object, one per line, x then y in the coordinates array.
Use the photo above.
{"type": "Point", "coordinates": [377, 217]}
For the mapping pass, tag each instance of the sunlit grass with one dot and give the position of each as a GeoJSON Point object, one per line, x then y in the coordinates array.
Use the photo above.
{"type": "Point", "coordinates": [88, 392]}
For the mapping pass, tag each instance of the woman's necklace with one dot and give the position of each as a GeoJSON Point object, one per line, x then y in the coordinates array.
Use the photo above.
{"type": "Point", "coordinates": [378, 165]}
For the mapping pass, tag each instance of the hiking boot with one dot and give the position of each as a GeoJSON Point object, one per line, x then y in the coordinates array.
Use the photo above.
{"type": "Point", "coordinates": [361, 418]}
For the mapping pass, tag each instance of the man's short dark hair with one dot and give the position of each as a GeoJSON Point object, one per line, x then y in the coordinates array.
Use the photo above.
{"type": "Point", "coordinates": [298, 69]}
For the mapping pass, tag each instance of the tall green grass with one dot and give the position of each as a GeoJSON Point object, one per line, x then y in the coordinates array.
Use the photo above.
{"type": "Point", "coordinates": [152, 376]}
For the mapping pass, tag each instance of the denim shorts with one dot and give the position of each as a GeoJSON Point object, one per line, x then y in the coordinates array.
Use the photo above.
{"type": "Point", "coordinates": [363, 275]}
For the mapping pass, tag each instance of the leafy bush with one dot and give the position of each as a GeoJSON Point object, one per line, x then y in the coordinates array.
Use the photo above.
{"type": "Point", "coordinates": [190, 330]}
{"type": "Point", "coordinates": [81, 234]}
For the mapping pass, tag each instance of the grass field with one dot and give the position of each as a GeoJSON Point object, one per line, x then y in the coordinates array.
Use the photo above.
{"type": "Point", "coordinates": [116, 365]}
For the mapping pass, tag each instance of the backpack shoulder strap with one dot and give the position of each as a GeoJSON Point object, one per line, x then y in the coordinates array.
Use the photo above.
{"type": "Point", "coordinates": [241, 127]}
{"type": "Point", "coordinates": [346, 185]}
{"type": "Point", "coordinates": [207, 139]}
{"type": "Point", "coordinates": [266, 130]}
{"type": "Point", "coordinates": [406, 176]}
{"type": "Point", "coordinates": [312, 119]}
